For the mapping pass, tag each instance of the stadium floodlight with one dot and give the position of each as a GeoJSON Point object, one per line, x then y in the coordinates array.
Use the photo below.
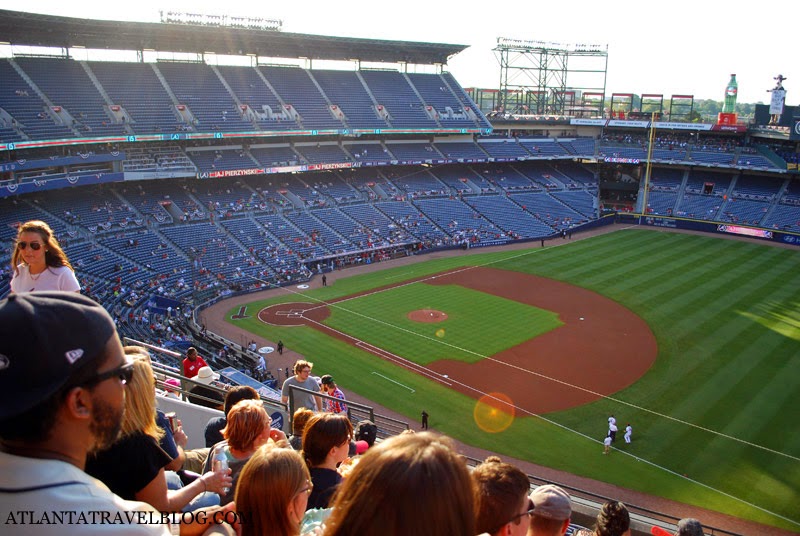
{"type": "Point", "coordinates": [527, 44]}
{"type": "Point", "coordinates": [199, 19]}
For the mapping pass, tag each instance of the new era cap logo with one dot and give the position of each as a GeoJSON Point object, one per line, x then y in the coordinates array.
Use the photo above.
{"type": "Point", "coordinates": [74, 355]}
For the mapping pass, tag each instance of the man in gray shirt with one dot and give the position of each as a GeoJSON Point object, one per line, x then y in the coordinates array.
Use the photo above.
{"type": "Point", "coordinates": [302, 378]}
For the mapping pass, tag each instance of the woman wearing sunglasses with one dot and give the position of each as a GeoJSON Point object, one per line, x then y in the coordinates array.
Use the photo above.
{"type": "Point", "coordinates": [38, 261]}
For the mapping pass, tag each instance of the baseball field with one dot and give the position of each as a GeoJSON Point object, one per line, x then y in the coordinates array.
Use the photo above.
{"type": "Point", "coordinates": [693, 340]}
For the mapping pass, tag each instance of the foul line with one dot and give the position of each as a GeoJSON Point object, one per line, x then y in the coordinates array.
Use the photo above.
{"type": "Point", "coordinates": [424, 371]}
{"type": "Point", "coordinates": [391, 380]}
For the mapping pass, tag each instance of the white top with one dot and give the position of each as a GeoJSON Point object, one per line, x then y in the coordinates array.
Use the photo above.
{"type": "Point", "coordinates": [612, 420]}
{"type": "Point", "coordinates": [58, 278]}
{"type": "Point", "coordinates": [42, 497]}
{"type": "Point", "coordinates": [628, 429]}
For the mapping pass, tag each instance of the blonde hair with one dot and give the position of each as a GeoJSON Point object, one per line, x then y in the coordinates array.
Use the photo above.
{"type": "Point", "coordinates": [140, 399]}
{"type": "Point", "coordinates": [268, 482]}
{"type": "Point", "coordinates": [245, 422]}
{"type": "Point", "coordinates": [54, 256]}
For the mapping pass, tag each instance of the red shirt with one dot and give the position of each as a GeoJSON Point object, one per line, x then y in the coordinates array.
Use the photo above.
{"type": "Point", "coordinates": [190, 368]}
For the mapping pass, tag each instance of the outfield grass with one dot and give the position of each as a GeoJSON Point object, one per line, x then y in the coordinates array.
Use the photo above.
{"type": "Point", "coordinates": [719, 405]}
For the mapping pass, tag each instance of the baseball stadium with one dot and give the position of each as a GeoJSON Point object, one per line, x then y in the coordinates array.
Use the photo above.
{"type": "Point", "coordinates": [518, 263]}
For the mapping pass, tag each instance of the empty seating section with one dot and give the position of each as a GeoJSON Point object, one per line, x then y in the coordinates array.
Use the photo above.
{"type": "Point", "coordinates": [465, 98]}
{"type": "Point", "coordinates": [296, 242]}
{"type": "Point", "coordinates": [226, 196]}
{"type": "Point", "coordinates": [136, 88]}
{"type": "Point", "coordinates": [356, 237]}
{"type": "Point", "coordinates": [784, 218]}
{"type": "Point", "coordinates": [250, 89]}
{"type": "Point", "coordinates": [507, 177]}
{"type": "Point", "coordinates": [216, 257]}
{"type": "Point", "coordinates": [458, 219]}
{"type": "Point", "coordinates": [376, 224]}
{"type": "Point", "coordinates": [574, 175]}
{"type": "Point", "coordinates": [331, 185]}
{"type": "Point", "coordinates": [220, 159]}
{"type": "Point", "coordinates": [159, 200]}
{"type": "Point", "coordinates": [14, 212]}
{"type": "Point", "coordinates": [317, 153]}
{"type": "Point", "coordinates": [698, 179]}
{"type": "Point", "coordinates": [362, 178]}
{"type": "Point", "coordinates": [578, 146]}
{"type": "Point", "coordinates": [635, 153]}
{"type": "Point", "coordinates": [79, 98]}
{"type": "Point", "coordinates": [392, 91]}
{"type": "Point", "coordinates": [676, 154]}
{"type": "Point", "coordinates": [296, 89]}
{"type": "Point", "coordinates": [661, 202]}
{"type": "Point", "coordinates": [437, 94]}
{"type": "Point", "coordinates": [276, 156]}
{"type": "Point", "coordinates": [757, 188]}
{"type": "Point", "coordinates": [507, 148]}
{"type": "Point", "coordinates": [540, 173]}
{"type": "Point", "coordinates": [267, 255]}
{"type": "Point", "coordinates": [744, 211]}
{"type": "Point", "coordinates": [718, 158]}
{"type": "Point", "coordinates": [29, 113]}
{"type": "Point", "coordinates": [169, 159]}
{"type": "Point", "coordinates": [161, 263]}
{"type": "Point", "coordinates": [459, 178]}
{"type": "Point", "coordinates": [457, 150]}
{"type": "Point", "coordinates": [665, 179]}
{"type": "Point", "coordinates": [100, 262]}
{"type": "Point", "coordinates": [197, 86]}
{"type": "Point", "coordinates": [548, 209]}
{"type": "Point", "coordinates": [319, 233]}
{"type": "Point", "coordinates": [368, 152]}
{"type": "Point", "coordinates": [417, 182]}
{"type": "Point", "coordinates": [581, 201]}
{"type": "Point", "coordinates": [699, 206]}
{"type": "Point", "coordinates": [509, 216]}
{"type": "Point", "coordinates": [413, 151]}
{"type": "Point", "coordinates": [308, 195]}
{"type": "Point", "coordinates": [754, 160]}
{"type": "Point", "coordinates": [91, 208]}
{"type": "Point", "coordinates": [409, 217]}
{"type": "Point", "coordinates": [345, 91]}
{"type": "Point", "coordinates": [543, 148]}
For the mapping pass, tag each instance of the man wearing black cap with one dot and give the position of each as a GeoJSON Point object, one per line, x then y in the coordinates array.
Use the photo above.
{"type": "Point", "coordinates": [62, 393]}
{"type": "Point", "coordinates": [328, 386]}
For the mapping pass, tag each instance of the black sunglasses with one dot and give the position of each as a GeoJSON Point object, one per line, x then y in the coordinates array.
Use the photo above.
{"type": "Point", "coordinates": [529, 512]}
{"type": "Point", "coordinates": [124, 373]}
{"type": "Point", "coordinates": [35, 246]}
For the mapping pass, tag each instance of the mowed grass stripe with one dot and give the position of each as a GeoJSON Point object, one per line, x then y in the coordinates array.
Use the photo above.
{"type": "Point", "coordinates": [733, 288]}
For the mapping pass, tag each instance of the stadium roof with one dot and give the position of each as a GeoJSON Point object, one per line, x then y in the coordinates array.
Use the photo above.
{"type": "Point", "coordinates": [30, 29]}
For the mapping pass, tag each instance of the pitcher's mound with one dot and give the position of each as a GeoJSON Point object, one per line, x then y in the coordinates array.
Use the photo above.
{"type": "Point", "coordinates": [427, 316]}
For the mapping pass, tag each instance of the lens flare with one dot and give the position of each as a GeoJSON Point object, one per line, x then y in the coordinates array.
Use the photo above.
{"type": "Point", "coordinates": [494, 412]}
